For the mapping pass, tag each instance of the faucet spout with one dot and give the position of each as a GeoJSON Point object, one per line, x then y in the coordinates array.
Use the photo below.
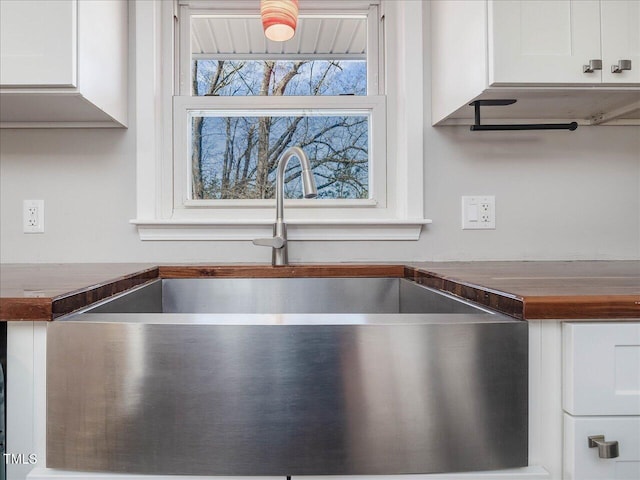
{"type": "Point", "coordinates": [279, 240]}
{"type": "Point", "coordinates": [309, 189]}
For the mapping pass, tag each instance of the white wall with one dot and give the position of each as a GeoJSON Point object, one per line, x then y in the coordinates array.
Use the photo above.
{"type": "Point", "coordinates": [559, 195]}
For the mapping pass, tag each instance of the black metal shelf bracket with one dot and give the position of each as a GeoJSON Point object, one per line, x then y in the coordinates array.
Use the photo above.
{"type": "Point", "coordinates": [477, 127]}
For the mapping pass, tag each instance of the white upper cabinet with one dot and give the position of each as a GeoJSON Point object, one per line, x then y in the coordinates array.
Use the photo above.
{"type": "Point", "coordinates": [38, 43]}
{"type": "Point", "coordinates": [538, 41]}
{"type": "Point", "coordinates": [562, 60]}
{"type": "Point", "coordinates": [620, 27]}
{"type": "Point", "coordinates": [63, 63]}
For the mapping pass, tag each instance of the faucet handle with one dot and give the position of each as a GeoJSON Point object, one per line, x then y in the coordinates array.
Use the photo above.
{"type": "Point", "coordinates": [273, 242]}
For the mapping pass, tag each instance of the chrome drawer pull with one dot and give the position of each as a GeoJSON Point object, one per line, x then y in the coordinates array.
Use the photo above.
{"type": "Point", "coordinates": [605, 449]}
{"type": "Point", "coordinates": [622, 65]}
{"type": "Point", "coordinates": [593, 66]}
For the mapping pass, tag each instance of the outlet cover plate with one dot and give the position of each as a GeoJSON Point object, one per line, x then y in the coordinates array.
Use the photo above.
{"type": "Point", "coordinates": [479, 212]}
{"type": "Point", "coordinates": [33, 216]}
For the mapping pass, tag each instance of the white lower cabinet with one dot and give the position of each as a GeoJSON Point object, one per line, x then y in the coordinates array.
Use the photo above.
{"type": "Point", "coordinates": [27, 355]}
{"type": "Point", "coordinates": [582, 462]}
{"type": "Point", "coordinates": [600, 365]}
{"type": "Point", "coordinates": [601, 397]}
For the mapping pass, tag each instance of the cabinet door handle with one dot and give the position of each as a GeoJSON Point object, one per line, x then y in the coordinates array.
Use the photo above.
{"type": "Point", "coordinates": [593, 66]}
{"type": "Point", "coordinates": [605, 449]}
{"type": "Point", "coordinates": [622, 65]}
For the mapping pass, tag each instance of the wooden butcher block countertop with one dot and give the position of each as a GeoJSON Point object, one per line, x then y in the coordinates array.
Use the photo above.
{"type": "Point", "coordinates": [576, 290]}
{"type": "Point", "coordinates": [606, 290]}
{"type": "Point", "coordinates": [46, 291]}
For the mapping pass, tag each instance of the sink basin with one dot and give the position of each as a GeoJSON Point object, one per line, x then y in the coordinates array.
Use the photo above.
{"type": "Point", "coordinates": [286, 295]}
{"type": "Point", "coordinates": [293, 376]}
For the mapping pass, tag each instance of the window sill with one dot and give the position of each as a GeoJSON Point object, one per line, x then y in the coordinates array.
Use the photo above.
{"type": "Point", "coordinates": [159, 230]}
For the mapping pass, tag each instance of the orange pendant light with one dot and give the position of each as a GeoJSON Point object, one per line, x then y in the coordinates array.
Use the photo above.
{"type": "Point", "coordinates": [279, 19]}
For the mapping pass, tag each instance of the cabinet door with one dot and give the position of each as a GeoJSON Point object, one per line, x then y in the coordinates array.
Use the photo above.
{"type": "Point", "coordinates": [538, 41]}
{"type": "Point", "coordinates": [601, 368]}
{"type": "Point", "coordinates": [583, 463]}
{"type": "Point", "coordinates": [38, 43]}
{"type": "Point", "coordinates": [620, 39]}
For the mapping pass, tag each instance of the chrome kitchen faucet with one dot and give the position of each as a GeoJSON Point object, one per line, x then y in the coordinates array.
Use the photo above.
{"type": "Point", "coordinates": [278, 242]}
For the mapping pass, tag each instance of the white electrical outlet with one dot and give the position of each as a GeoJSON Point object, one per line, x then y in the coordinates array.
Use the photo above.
{"type": "Point", "coordinates": [479, 212]}
{"type": "Point", "coordinates": [33, 216]}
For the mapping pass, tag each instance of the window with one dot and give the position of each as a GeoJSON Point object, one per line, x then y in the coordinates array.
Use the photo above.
{"type": "Point", "coordinates": [238, 101]}
{"type": "Point", "coordinates": [234, 145]}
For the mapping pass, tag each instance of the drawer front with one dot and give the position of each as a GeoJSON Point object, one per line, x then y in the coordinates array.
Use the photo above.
{"type": "Point", "coordinates": [583, 463]}
{"type": "Point", "coordinates": [601, 365]}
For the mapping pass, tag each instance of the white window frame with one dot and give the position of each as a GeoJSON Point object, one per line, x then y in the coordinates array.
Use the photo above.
{"type": "Point", "coordinates": [164, 211]}
{"type": "Point", "coordinates": [185, 106]}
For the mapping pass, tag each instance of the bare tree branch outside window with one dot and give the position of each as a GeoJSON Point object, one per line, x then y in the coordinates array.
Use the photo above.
{"type": "Point", "coordinates": [236, 157]}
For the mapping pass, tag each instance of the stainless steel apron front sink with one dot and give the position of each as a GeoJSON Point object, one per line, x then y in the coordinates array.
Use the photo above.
{"type": "Point", "coordinates": [286, 377]}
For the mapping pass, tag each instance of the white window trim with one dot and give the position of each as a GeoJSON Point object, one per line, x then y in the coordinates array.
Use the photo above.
{"type": "Point", "coordinates": [401, 218]}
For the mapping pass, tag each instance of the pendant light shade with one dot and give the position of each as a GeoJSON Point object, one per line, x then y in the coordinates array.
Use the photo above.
{"type": "Point", "coordinates": [279, 19]}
